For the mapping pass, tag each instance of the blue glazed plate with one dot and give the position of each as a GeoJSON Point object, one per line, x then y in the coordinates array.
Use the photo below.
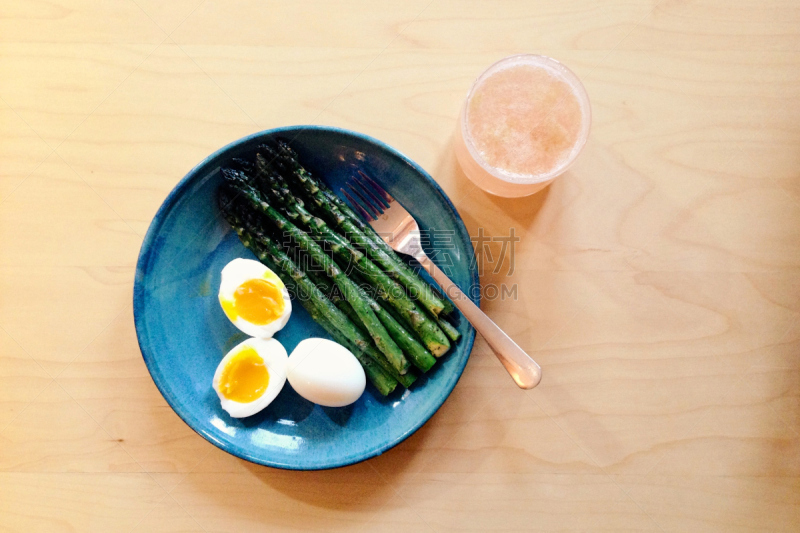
{"type": "Point", "coordinates": [183, 333]}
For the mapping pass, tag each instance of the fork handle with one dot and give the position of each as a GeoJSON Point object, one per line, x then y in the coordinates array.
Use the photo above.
{"type": "Point", "coordinates": [523, 370]}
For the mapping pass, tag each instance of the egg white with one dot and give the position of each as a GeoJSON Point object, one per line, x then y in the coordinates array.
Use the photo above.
{"type": "Point", "coordinates": [326, 373]}
{"type": "Point", "coordinates": [275, 359]}
{"type": "Point", "coordinates": [239, 271]}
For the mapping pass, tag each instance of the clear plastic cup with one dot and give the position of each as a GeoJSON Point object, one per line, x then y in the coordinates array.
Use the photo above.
{"type": "Point", "coordinates": [499, 181]}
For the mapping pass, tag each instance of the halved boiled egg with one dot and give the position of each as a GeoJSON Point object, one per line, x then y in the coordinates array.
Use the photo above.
{"type": "Point", "coordinates": [250, 376]}
{"type": "Point", "coordinates": [254, 298]}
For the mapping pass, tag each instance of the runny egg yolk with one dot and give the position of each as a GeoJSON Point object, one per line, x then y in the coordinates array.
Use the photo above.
{"type": "Point", "coordinates": [258, 301]}
{"type": "Point", "coordinates": [245, 377]}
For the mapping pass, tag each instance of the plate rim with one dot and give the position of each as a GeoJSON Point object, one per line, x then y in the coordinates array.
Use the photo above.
{"type": "Point", "coordinates": [143, 261]}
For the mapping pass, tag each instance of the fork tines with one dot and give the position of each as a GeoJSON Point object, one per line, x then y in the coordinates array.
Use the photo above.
{"type": "Point", "coordinates": [368, 198]}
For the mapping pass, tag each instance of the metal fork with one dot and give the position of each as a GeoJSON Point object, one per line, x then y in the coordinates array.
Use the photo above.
{"type": "Point", "coordinates": [400, 231]}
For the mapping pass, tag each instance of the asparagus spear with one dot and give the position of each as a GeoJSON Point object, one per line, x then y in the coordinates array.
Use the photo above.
{"type": "Point", "coordinates": [430, 333]}
{"type": "Point", "coordinates": [448, 328]}
{"type": "Point", "coordinates": [336, 297]}
{"type": "Point", "coordinates": [384, 254]}
{"type": "Point", "coordinates": [434, 338]}
{"type": "Point", "coordinates": [421, 357]}
{"type": "Point", "coordinates": [351, 329]}
{"type": "Point", "coordinates": [433, 331]}
{"type": "Point", "coordinates": [379, 378]}
{"type": "Point", "coordinates": [367, 238]}
{"type": "Point", "coordinates": [338, 213]}
{"type": "Point", "coordinates": [406, 379]}
{"type": "Point", "coordinates": [377, 331]}
{"type": "Point", "coordinates": [404, 273]}
{"type": "Point", "coordinates": [382, 381]}
{"type": "Point", "coordinates": [308, 295]}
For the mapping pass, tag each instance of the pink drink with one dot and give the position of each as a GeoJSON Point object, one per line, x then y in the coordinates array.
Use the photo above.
{"type": "Point", "coordinates": [525, 121]}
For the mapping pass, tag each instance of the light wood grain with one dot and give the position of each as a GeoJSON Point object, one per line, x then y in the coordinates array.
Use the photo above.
{"type": "Point", "coordinates": [658, 281]}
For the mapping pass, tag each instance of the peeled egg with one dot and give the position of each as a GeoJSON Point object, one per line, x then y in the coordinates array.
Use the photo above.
{"type": "Point", "coordinates": [250, 376]}
{"type": "Point", "coordinates": [326, 373]}
{"type": "Point", "coordinates": [254, 298]}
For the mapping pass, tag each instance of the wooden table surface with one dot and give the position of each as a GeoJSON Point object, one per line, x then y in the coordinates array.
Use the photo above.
{"type": "Point", "coordinates": [658, 282]}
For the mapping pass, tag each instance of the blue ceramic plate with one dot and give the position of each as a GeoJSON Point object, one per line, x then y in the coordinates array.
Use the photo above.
{"type": "Point", "coordinates": [183, 333]}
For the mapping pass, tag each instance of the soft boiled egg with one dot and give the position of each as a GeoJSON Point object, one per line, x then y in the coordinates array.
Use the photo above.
{"type": "Point", "coordinates": [326, 373]}
{"type": "Point", "coordinates": [250, 376]}
{"type": "Point", "coordinates": [254, 298]}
